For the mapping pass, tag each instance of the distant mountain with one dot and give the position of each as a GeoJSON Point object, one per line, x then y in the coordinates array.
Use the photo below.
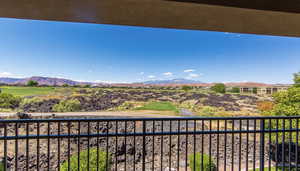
{"type": "Point", "coordinates": [42, 81]}
{"type": "Point", "coordinates": [9, 80]}
{"type": "Point", "coordinates": [173, 81]}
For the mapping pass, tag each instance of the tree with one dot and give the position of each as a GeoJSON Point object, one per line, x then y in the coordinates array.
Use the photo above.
{"type": "Point", "coordinates": [32, 83]}
{"type": "Point", "coordinates": [65, 85]}
{"type": "Point", "coordinates": [254, 90]}
{"type": "Point", "coordinates": [287, 102]}
{"type": "Point", "coordinates": [219, 88]}
{"type": "Point", "coordinates": [186, 88]}
{"type": "Point", "coordinates": [87, 86]}
{"type": "Point", "coordinates": [235, 90]}
{"type": "Point", "coordinates": [297, 79]}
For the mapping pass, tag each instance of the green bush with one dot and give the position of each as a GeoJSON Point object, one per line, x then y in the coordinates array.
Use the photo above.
{"type": "Point", "coordinates": [208, 110]}
{"type": "Point", "coordinates": [32, 83]}
{"type": "Point", "coordinates": [282, 124]}
{"type": "Point", "coordinates": [297, 79]}
{"type": "Point", "coordinates": [28, 101]}
{"type": "Point", "coordinates": [83, 157]}
{"type": "Point", "coordinates": [198, 162]}
{"type": "Point", "coordinates": [219, 88]}
{"type": "Point", "coordinates": [186, 88]}
{"type": "Point", "coordinates": [287, 102]}
{"type": "Point", "coordinates": [235, 90]}
{"type": "Point", "coordinates": [71, 105]}
{"type": "Point", "coordinates": [9, 101]}
{"type": "Point", "coordinates": [275, 169]}
{"type": "Point", "coordinates": [254, 90]}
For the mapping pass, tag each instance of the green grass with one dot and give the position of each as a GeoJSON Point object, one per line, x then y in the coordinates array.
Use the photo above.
{"type": "Point", "coordinates": [159, 106]}
{"type": "Point", "coordinates": [27, 91]}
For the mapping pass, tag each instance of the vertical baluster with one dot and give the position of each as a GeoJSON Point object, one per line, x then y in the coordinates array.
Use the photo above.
{"type": "Point", "coordinates": [225, 146]}
{"type": "Point", "coordinates": [106, 158]}
{"type": "Point", "coordinates": [69, 142]}
{"type": "Point", "coordinates": [38, 148]}
{"type": "Point", "coordinates": [144, 146]}
{"type": "Point", "coordinates": [48, 145]}
{"type": "Point", "coordinates": [58, 145]}
{"type": "Point", "coordinates": [240, 144]}
{"type": "Point", "coordinates": [210, 143]}
{"type": "Point", "coordinates": [283, 144]}
{"type": "Point", "coordinates": [98, 132]}
{"type": "Point", "coordinates": [186, 144]}
{"type": "Point", "coordinates": [178, 145]}
{"type": "Point", "coordinates": [78, 146]}
{"type": "Point", "coordinates": [170, 146]}
{"type": "Point", "coordinates": [218, 139]}
{"type": "Point", "coordinates": [16, 146]}
{"type": "Point", "coordinates": [5, 146]}
{"type": "Point", "coordinates": [254, 146]}
{"type": "Point", "coordinates": [125, 141]}
{"type": "Point", "coordinates": [27, 146]}
{"type": "Point", "coordinates": [153, 131]}
{"type": "Point", "coordinates": [232, 147]}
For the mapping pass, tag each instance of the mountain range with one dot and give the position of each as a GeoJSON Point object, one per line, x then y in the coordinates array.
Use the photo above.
{"type": "Point", "coordinates": [42, 81]}
{"type": "Point", "coordinates": [50, 81]}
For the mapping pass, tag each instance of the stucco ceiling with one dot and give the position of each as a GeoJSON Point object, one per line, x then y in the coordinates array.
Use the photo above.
{"type": "Point", "coordinates": [269, 17]}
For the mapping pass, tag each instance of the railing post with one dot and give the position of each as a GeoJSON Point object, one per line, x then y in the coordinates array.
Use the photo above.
{"type": "Point", "coordinates": [144, 146]}
{"type": "Point", "coordinates": [262, 145]}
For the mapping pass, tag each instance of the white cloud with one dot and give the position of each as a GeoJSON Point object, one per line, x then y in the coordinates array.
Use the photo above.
{"type": "Point", "coordinates": [104, 81]}
{"type": "Point", "coordinates": [192, 75]}
{"type": "Point", "coordinates": [189, 70]}
{"type": "Point", "coordinates": [168, 74]}
{"type": "Point", "coordinates": [142, 73]}
{"type": "Point", "coordinates": [6, 74]}
{"type": "Point", "coordinates": [151, 76]}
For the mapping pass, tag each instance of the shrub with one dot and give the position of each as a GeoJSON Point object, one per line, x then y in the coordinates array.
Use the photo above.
{"type": "Point", "coordinates": [297, 79]}
{"type": "Point", "coordinates": [208, 110]}
{"type": "Point", "coordinates": [235, 90]}
{"type": "Point", "coordinates": [265, 106]}
{"type": "Point", "coordinates": [28, 101]}
{"type": "Point", "coordinates": [254, 90]}
{"type": "Point", "coordinates": [32, 83]}
{"type": "Point", "coordinates": [9, 101]}
{"type": "Point", "coordinates": [198, 162]}
{"type": "Point", "coordinates": [87, 86]}
{"type": "Point", "coordinates": [219, 88]}
{"type": "Point", "coordinates": [186, 88]}
{"type": "Point", "coordinates": [71, 105]}
{"type": "Point", "coordinates": [83, 157]}
{"type": "Point", "coordinates": [287, 102]}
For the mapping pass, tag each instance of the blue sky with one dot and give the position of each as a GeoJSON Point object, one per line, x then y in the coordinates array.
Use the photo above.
{"type": "Point", "coordinates": [93, 52]}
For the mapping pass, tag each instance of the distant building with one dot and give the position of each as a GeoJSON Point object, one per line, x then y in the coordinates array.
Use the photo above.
{"type": "Point", "coordinates": [264, 90]}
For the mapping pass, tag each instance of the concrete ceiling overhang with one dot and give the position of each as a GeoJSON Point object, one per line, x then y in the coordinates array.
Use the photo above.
{"type": "Point", "coordinates": [268, 17]}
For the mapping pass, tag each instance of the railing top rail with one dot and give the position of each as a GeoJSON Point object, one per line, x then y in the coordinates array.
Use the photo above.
{"type": "Point", "coordinates": [111, 119]}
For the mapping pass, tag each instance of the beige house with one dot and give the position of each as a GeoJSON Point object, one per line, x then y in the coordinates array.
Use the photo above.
{"type": "Point", "coordinates": [262, 90]}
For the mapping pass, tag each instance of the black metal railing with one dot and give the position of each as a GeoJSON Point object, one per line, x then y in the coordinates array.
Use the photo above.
{"type": "Point", "coordinates": [166, 144]}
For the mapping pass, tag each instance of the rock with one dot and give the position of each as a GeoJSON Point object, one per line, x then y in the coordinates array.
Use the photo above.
{"type": "Point", "coordinates": [23, 115]}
